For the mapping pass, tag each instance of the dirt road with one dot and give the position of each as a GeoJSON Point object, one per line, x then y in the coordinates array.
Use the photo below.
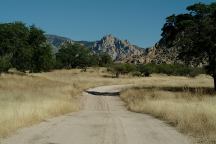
{"type": "Point", "coordinates": [103, 120]}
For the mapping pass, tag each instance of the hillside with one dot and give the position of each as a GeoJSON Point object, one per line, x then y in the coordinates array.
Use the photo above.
{"type": "Point", "coordinates": [119, 50]}
{"type": "Point", "coordinates": [56, 41]}
{"type": "Point", "coordinates": [122, 51]}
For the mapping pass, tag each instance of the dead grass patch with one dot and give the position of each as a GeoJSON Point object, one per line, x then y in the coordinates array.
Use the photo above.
{"type": "Point", "coordinates": [191, 109]}
{"type": "Point", "coordinates": [29, 99]}
{"type": "Point", "coordinates": [26, 100]}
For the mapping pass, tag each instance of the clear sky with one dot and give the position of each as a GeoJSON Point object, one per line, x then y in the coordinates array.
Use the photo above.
{"type": "Point", "coordinates": [138, 21]}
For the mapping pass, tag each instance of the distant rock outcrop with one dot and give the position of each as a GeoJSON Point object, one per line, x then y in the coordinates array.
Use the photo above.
{"type": "Point", "coordinates": [159, 54]}
{"type": "Point", "coordinates": [122, 51]}
{"type": "Point", "coordinates": [57, 41]}
{"type": "Point", "coordinates": [119, 50]}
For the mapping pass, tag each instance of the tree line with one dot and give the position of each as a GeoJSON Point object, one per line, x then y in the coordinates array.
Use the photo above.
{"type": "Point", "coordinates": [26, 49]}
{"type": "Point", "coordinates": [145, 70]}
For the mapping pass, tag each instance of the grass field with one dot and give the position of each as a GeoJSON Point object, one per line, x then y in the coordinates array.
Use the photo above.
{"type": "Point", "coordinates": [186, 103]}
{"type": "Point", "coordinates": [29, 99]}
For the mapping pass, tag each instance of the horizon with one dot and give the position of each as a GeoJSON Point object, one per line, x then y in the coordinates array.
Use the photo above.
{"type": "Point", "coordinates": [134, 21]}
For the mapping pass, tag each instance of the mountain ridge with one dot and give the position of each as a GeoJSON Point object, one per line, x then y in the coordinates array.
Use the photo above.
{"type": "Point", "coordinates": [122, 51]}
{"type": "Point", "coordinates": [119, 50]}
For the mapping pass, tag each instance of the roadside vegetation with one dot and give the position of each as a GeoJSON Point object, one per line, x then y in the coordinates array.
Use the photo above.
{"type": "Point", "coordinates": [145, 70]}
{"type": "Point", "coordinates": [189, 107]}
{"type": "Point", "coordinates": [29, 99]}
{"type": "Point", "coordinates": [25, 100]}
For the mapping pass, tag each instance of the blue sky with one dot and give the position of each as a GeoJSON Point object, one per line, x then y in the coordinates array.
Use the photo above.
{"type": "Point", "coordinates": [138, 21]}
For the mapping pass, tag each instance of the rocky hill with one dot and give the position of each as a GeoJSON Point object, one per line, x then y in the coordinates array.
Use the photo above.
{"type": "Point", "coordinates": [122, 51]}
{"type": "Point", "coordinates": [161, 54]}
{"type": "Point", "coordinates": [119, 50]}
{"type": "Point", "coordinates": [57, 41]}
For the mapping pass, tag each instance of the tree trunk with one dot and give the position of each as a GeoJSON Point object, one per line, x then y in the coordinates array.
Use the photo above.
{"type": "Point", "coordinates": [117, 74]}
{"type": "Point", "coordinates": [214, 77]}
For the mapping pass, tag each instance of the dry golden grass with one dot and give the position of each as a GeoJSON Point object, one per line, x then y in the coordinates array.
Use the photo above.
{"type": "Point", "coordinates": [26, 100]}
{"type": "Point", "coordinates": [187, 103]}
{"type": "Point", "coordinates": [93, 77]}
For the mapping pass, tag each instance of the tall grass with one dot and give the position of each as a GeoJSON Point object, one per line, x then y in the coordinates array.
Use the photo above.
{"type": "Point", "coordinates": [26, 100]}
{"type": "Point", "coordinates": [191, 110]}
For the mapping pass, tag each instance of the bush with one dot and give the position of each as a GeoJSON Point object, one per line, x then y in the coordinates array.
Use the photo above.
{"type": "Point", "coordinates": [72, 56]}
{"type": "Point", "coordinates": [196, 71]}
{"type": "Point", "coordinates": [170, 69]}
{"type": "Point", "coordinates": [122, 69]}
{"type": "Point", "coordinates": [118, 68]}
{"type": "Point", "coordinates": [147, 74]}
{"type": "Point", "coordinates": [137, 74]}
{"type": "Point", "coordinates": [129, 68]}
{"type": "Point", "coordinates": [147, 69]}
{"type": "Point", "coordinates": [104, 59]}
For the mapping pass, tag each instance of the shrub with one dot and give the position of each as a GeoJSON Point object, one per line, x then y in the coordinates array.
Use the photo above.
{"type": "Point", "coordinates": [72, 56]}
{"type": "Point", "coordinates": [147, 74]}
{"type": "Point", "coordinates": [137, 74]}
{"type": "Point", "coordinates": [122, 69]}
{"type": "Point", "coordinates": [128, 68]}
{"type": "Point", "coordinates": [104, 59]}
{"type": "Point", "coordinates": [196, 71]}
{"type": "Point", "coordinates": [147, 69]}
{"type": "Point", "coordinates": [170, 69]}
{"type": "Point", "coordinates": [118, 68]}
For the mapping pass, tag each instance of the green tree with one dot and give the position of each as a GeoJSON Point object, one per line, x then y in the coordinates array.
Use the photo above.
{"type": "Point", "coordinates": [42, 58]}
{"type": "Point", "coordinates": [147, 69]}
{"type": "Point", "coordinates": [22, 58]}
{"type": "Point", "coordinates": [194, 33]}
{"type": "Point", "coordinates": [94, 60]}
{"type": "Point", "coordinates": [117, 69]}
{"type": "Point", "coordinates": [14, 42]}
{"type": "Point", "coordinates": [122, 69]}
{"type": "Point", "coordinates": [73, 55]}
{"type": "Point", "coordinates": [105, 59]}
{"type": "Point", "coordinates": [27, 47]}
{"type": "Point", "coordinates": [12, 36]}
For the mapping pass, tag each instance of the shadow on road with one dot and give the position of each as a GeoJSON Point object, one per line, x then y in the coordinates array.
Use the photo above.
{"type": "Point", "coordinates": [103, 93]}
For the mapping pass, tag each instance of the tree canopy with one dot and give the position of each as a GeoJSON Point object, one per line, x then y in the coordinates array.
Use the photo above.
{"type": "Point", "coordinates": [73, 55]}
{"type": "Point", "coordinates": [194, 33]}
{"type": "Point", "coordinates": [24, 48]}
